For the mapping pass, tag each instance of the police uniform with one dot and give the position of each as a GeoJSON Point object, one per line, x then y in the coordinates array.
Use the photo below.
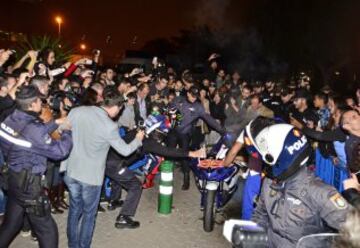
{"type": "Point", "coordinates": [293, 202]}
{"type": "Point", "coordinates": [303, 205]}
{"type": "Point", "coordinates": [26, 144]}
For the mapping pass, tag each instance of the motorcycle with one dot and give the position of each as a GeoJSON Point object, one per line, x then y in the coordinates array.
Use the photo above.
{"type": "Point", "coordinates": [216, 184]}
{"type": "Point", "coordinates": [148, 167]}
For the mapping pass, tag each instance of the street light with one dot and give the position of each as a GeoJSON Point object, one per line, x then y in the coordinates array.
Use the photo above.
{"type": "Point", "coordinates": [59, 21]}
{"type": "Point", "coordinates": [82, 46]}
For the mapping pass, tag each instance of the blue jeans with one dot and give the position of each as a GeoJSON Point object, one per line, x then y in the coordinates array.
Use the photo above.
{"type": "Point", "coordinates": [250, 191]}
{"type": "Point", "coordinates": [84, 201]}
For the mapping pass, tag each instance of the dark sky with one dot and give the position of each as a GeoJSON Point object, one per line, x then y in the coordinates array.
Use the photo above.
{"type": "Point", "coordinates": [292, 23]}
{"type": "Point", "coordinates": [122, 20]}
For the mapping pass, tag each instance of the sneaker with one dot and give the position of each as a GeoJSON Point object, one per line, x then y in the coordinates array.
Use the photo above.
{"type": "Point", "coordinates": [114, 204]}
{"type": "Point", "coordinates": [123, 221]}
{"type": "Point", "coordinates": [101, 209]}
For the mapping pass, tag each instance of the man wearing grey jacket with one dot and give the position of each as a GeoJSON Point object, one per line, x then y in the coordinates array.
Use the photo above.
{"type": "Point", "coordinates": [94, 132]}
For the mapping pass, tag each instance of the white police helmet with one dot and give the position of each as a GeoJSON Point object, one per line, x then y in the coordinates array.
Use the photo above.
{"type": "Point", "coordinates": [282, 147]}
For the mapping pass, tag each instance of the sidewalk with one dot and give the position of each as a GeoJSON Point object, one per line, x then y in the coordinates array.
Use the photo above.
{"type": "Point", "coordinates": [181, 229]}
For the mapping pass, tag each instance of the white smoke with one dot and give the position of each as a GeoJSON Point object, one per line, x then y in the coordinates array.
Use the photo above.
{"type": "Point", "coordinates": [211, 13]}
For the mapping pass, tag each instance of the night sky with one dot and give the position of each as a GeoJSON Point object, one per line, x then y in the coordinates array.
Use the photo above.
{"type": "Point", "coordinates": [124, 21]}
{"type": "Point", "coordinates": [287, 27]}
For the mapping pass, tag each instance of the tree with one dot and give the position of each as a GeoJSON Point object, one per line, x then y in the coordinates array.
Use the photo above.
{"type": "Point", "coordinates": [38, 43]}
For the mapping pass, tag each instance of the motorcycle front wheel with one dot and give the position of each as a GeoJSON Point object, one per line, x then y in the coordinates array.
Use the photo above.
{"type": "Point", "coordinates": [209, 211]}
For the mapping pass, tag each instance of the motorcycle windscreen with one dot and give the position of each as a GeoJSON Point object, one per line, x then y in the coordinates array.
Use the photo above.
{"type": "Point", "coordinates": [320, 240]}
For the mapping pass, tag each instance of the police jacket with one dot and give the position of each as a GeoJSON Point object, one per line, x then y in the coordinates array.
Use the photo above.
{"type": "Point", "coordinates": [191, 112]}
{"type": "Point", "coordinates": [301, 207]}
{"type": "Point", "coordinates": [26, 143]}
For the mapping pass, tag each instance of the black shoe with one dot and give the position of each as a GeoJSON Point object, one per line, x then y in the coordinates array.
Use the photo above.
{"type": "Point", "coordinates": [185, 186]}
{"type": "Point", "coordinates": [115, 204]}
{"type": "Point", "coordinates": [101, 209]}
{"type": "Point", "coordinates": [123, 221]}
{"type": "Point", "coordinates": [186, 183]}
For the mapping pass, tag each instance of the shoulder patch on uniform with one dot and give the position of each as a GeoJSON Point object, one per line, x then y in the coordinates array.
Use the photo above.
{"type": "Point", "coordinates": [272, 193]}
{"type": "Point", "coordinates": [338, 201]}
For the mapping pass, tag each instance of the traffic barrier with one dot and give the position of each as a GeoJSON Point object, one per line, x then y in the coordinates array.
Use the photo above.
{"type": "Point", "coordinates": [166, 187]}
{"type": "Point", "coordinates": [330, 173]}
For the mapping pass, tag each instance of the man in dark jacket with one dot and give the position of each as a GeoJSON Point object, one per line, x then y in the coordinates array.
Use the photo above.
{"type": "Point", "coordinates": [191, 110]}
{"type": "Point", "coordinates": [26, 144]}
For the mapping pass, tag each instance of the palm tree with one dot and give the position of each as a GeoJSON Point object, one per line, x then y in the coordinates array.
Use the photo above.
{"type": "Point", "coordinates": [63, 51]}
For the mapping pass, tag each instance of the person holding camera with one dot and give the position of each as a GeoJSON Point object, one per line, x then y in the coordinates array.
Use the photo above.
{"type": "Point", "coordinates": [27, 145]}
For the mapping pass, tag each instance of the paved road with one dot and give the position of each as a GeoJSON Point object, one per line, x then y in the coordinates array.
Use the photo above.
{"type": "Point", "coordinates": [181, 229]}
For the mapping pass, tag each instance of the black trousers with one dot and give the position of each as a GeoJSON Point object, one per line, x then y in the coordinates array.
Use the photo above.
{"type": "Point", "coordinates": [183, 140]}
{"type": "Point", "coordinates": [197, 137]}
{"type": "Point", "coordinates": [44, 227]}
{"type": "Point", "coordinates": [128, 181]}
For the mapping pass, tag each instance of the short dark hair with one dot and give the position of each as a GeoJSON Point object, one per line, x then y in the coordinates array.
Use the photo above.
{"type": "Point", "coordinates": [248, 87]}
{"type": "Point", "coordinates": [286, 91]}
{"type": "Point", "coordinates": [194, 91]}
{"type": "Point", "coordinates": [112, 97]}
{"type": "Point", "coordinates": [171, 92]}
{"type": "Point", "coordinates": [142, 86]}
{"type": "Point", "coordinates": [89, 97]}
{"type": "Point", "coordinates": [339, 101]}
{"type": "Point", "coordinates": [131, 95]}
{"type": "Point", "coordinates": [188, 77]}
{"type": "Point", "coordinates": [26, 96]}
{"type": "Point", "coordinates": [122, 81]}
{"type": "Point", "coordinates": [322, 96]}
{"type": "Point", "coordinates": [256, 96]}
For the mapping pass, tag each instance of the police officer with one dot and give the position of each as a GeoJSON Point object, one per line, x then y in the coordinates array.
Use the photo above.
{"type": "Point", "coordinates": [191, 110]}
{"type": "Point", "coordinates": [26, 144]}
{"type": "Point", "coordinates": [293, 202]}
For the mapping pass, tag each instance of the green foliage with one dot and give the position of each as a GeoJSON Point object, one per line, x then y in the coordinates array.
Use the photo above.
{"type": "Point", "coordinates": [62, 51]}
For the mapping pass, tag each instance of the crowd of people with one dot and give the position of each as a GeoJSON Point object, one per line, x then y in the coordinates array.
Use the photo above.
{"type": "Point", "coordinates": [60, 132]}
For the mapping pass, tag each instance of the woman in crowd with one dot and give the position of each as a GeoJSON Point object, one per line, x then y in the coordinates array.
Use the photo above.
{"type": "Point", "coordinates": [217, 108]}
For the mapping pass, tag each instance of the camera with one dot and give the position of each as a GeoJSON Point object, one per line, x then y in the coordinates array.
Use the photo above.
{"type": "Point", "coordinates": [141, 126]}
